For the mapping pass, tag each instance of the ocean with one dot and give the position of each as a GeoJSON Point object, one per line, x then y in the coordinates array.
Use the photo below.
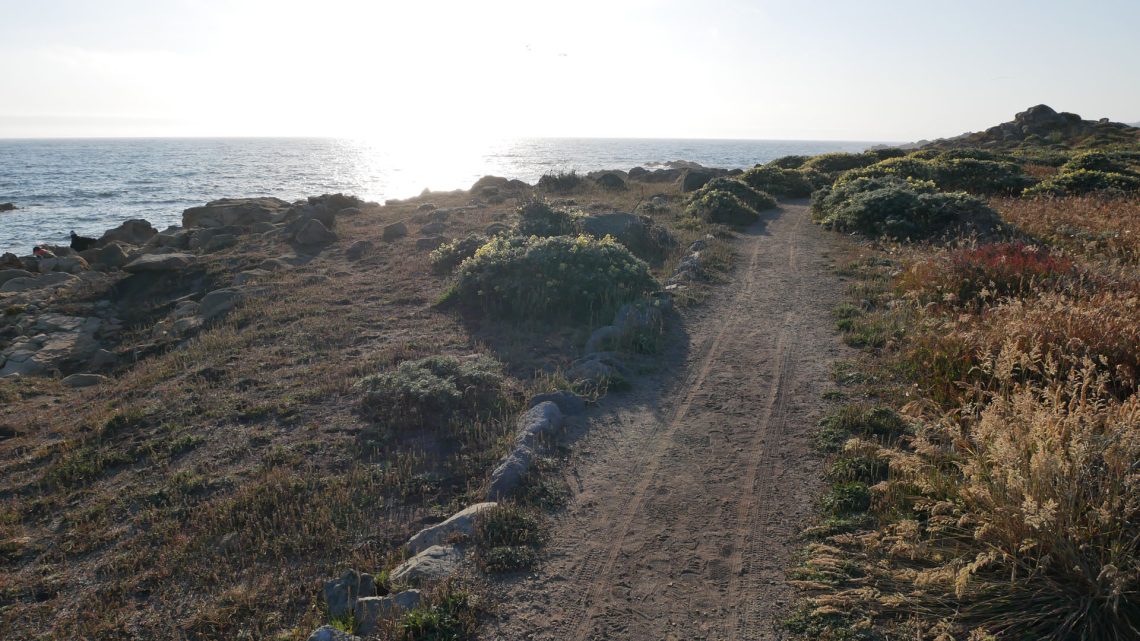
{"type": "Point", "coordinates": [90, 185]}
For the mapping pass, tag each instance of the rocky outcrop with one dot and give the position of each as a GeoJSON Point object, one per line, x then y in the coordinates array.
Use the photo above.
{"type": "Point", "coordinates": [694, 179]}
{"type": "Point", "coordinates": [1041, 124]}
{"type": "Point", "coordinates": [394, 231]}
{"type": "Point", "coordinates": [160, 263]}
{"type": "Point", "coordinates": [242, 212]}
{"type": "Point", "coordinates": [53, 280]}
{"type": "Point", "coordinates": [341, 594]}
{"type": "Point", "coordinates": [132, 232]}
{"type": "Point", "coordinates": [48, 342]}
{"type": "Point", "coordinates": [7, 207]}
{"type": "Point", "coordinates": [369, 611]}
{"type": "Point", "coordinates": [648, 240]}
{"type": "Point", "coordinates": [531, 431]}
{"type": "Point", "coordinates": [433, 564]}
{"type": "Point", "coordinates": [460, 523]}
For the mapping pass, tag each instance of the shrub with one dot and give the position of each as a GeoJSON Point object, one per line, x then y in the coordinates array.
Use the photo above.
{"type": "Point", "coordinates": [434, 392]}
{"type": "Point", "coordinates": [836, 162]}
{"type": "Point", "coordinates": [789, 162]}
{"type": "Point", "coordinates": [898, 208]}
{"type": "Point", "coordinates": [561, 182]}
{"type": "Point", "coordinates": [722, 207]}
{"type": "Point", "coordinates": [537, 218]}
{"type": "Point", "coordinates": [453, 615]}
{"type": "Point", "coordinates": [757, 200]}
{"type": "Point", "coordinates": [580, 278]}
{"type": "Point", "coordinates": [1085, 181]}
{"type": "Point", "coordinates": [955, 174]}
{"type": "Point", "coordinates": [506, 537]}
{"type": "Point", "coordinates": [1096, 161]}
{"type": "Point", "coordinates": [777, 181]}
{"type": "Point", "coordinates": [449, 255]}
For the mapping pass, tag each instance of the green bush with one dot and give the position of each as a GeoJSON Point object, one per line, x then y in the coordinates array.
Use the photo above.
{"type": "Point", "coordinates": [537, 218]}
{"type": "Point", "coordinates": [836, 162]}
{"type": "Point", "coordinates": [789, 162]}
{"type": "Point", "coordinates": [757, 200]}
{"type": "Point", "coordinates": [1085, 181]}
{"type": "Point", "coordinates": [952, 174]}
{"type": "Point", "coordinates": [778, 182]}
{"type": "Point", "coordinates": [434, 392]}
{"type": "Point", "coordinates": [449, 255]}
{"type": "Point", "coordinates": [579, 278]}
{"type": "Point", "coordinates": [847, 498]}
{"type": "Point", "coordinates": [722, 207]}
{"type": "Point", "coordinates": [561, 182]}
{"type": "Point", "coordinates": [1096, 161]}
{"type": "Point", "coordinates": [897, 208]}
{"type": "Point", "coordinates": [452, 616]}
{"type": "Point", "coordinates": [506, 537]}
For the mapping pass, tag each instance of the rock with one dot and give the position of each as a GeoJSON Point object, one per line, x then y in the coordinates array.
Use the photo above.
{"type": "Point", "coordinates": [84, 380]}
{"type": "Point", "coordinates": [55, 339]}
{"type": "Point", "coordinates": [433, 564]}
{"type": "Point", "coordinates": [262, 228]}
{"type": "Point", "coordinates": [348, 211]}
{"type": "Point", "coordinates": [537, 423]}
{"type": "Point", "coordinates": [7, 207]}
{"type": "Point", "coordinates": [160, 262]}
{"type": "Point", "coordinates": [314, 232]}
{"type": "Point", "coordinates": [11, 261]}
{"type": "Point", "coordinates": [273, 264]}
{"type": "Point", "coordinates": [66, 264]}
{"type": "Point", "coordinates": [603, 338]}
{"type": "Point", "coordinates": [200, 238]}
{"type": "Point", "coordinates": [394, 231]}
{"type": "Point", "coordinates": [219, 242]}
{"type": "Point", "coordinates": [429, 206]}
{"type": "Point", "coordinates": [610, 181]}
{"type": "Point", "coordinates": [568, 403]}
{"type": "Point", "coordinates": [433, 229]}
{"type": "Point", "coordinates": [113, 255]}
{"type": "Point", "coordinates": [640, 234]}
{"type": "Point", "coordinates": [462, 522]}
{"type": "Point", "coordinates": [638, 318]}
{"type": "Point", "coordinates": [329, 633]}
{"type": "Point", "coordinates": [103, 359]}
{"type": "Point", "coordinates": [175, 240]}
{"type": "Point", "coordinates": [370, 610]}
{"type": "Point", "coordinates": [358, 249]}
{"type": "Point", "coordinates": [637, 172]}
{"type": "Point", "coordinates": [507, 476]}
{"type": "Point", "coordinates": [694, 179]}
{"type": "Point", "coordinates": [430, 243]}
{"type": "Point", "coordinates": [341, 594]}
{"type": "Point", "coordinates": [185, 309]}
{"type": "Point", "coordinates": [250, 274]}
{"type": "Point", "coordinates": [8, 274]}
{"type": "Point", "coordinates": [24, 284]}
{"type": "Point", "coordinates": [243, 212]}
{"type": "Point", "coordinates": [218, 303]}
{"type": "Point", "coordinates": [132, 232]}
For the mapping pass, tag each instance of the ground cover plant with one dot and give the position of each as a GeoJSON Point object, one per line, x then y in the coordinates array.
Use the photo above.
{"type": "Point", "coordinates": [1008, 505]}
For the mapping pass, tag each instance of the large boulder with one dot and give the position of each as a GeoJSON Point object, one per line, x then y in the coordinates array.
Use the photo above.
{"type": "Point", "coordinates": [218, 303]}
{"type": "Point", "coordinates": [694, 179]}
{"type": "Point", "coordinates": [113, 255]}
{"type": "Point", "coordinates": [67, 264]}
{"type": "Point", "coordinates": [243, 212]}
{"type": "Point", "coordinates": [53, 280]}
{"type": "Point", "coordinates": [610, 181]}
{"type": "Point", "coordinates": [394, 231]}
{"type": "Point", "coordinates": [369, 610]}
{"type": "Point", "coordinates": [510, 473]}
{"type": "Point", "coordinates": [54, 340]}
{"type": "Point", "coordinates": [314, 232]}
{"type": "Point", "coordinates": [341, 594]}
{"type": "Point", "coordinates": [461, 523]}
{"type": "Point", "coordinates": [647, 240]}
{"type": "Point", "coordinates": [8, 274]}
{"type": "Point", "coordinates": [433, 564]}
{"type": "Point", "coordinates": [160, 263]}
{"type": "Point", "coordinates": [538, 423]}
{"type": "Point", "coordinates": [132, 232]}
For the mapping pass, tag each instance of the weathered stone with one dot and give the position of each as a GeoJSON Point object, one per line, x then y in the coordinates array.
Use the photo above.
{"type": "Point", "coordinates": [394, 231]}
{"type": "Point", "coordinates": [537, 423]}
{"type": "Point", "coordinates": [218, 303]}
{"type": "Point", "coordinates": [110, 256]}
{"type": "Point", "coordinates": [428, 244]}
{"type": "Point", "coordinates": [341, 594]}
{"type": "Point", "coordinates": [273, 264]}
{"type": "Point", "coordinates": [243, 212]}
{"type": "Point", "coordinates": [694, 179]}
{"type": "Point", "coordinates": [84, 380]}
{"type": "Point", "coordinates": [348, 211]}
{"type": "Point", "coordinates": [66, 264]}
{"type": "Point", "coordinates": [10, 261]}
{"type": "Point", "coordinates": [611, 181]}
{"type": "Point", "coordinates": [433, 229]}
{"type": "Point", "coordinates": [603, 338]}
{"type": "Point", "coordinates": [314, 232]}
{"type": "Point", "coordinates": [433, 564]}
{"type": "Point", "coordinates": [358, 249]}
{"type": "Point", "coordinates": [329, 633]}
{"type": "Point", "coordinates": [7, 207]}
{"type": "Point", "coordinates": [132, 232]}
{"type": "Point", "coordinates": [8, 274]}
{"type": "Point", "coordinates": [160, 262]}
{"type": "Point", "coordinates": [640, 234]}
{"type": "Point", "coordinates": [494, 229]}
{"type": "Point", "coordinates": [53, 280]}
{"type": "Point", "coordinates": [568, 403]}
{"type": "Point", "coordinates": [248, 275]}
{"type": "Point", "coordinates": [262, 228]}
{"type": "Point", "coordinates": [507, 476]}
{"type": "Point", "coordinates": [462, 522]}
{"type": "Point", "coordinates": [220, 242]}
{"type": "Point", "coordinates": [370, 610]}
{"type": "Point", "coordinates": [185, 309]}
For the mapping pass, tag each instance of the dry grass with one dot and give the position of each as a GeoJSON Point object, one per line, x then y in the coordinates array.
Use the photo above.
{"type": "Point", "coordinates": [210, 489]}
{"type": "Point", "coordinates": [1091, 225]}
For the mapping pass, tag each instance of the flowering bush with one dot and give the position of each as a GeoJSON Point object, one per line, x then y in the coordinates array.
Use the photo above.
{"type": "Point", "coordinates": [756, 200]}
{"type": "Point", "coordinates": [777, 181]}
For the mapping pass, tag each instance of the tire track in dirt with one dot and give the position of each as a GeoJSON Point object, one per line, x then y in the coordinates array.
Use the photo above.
{"type": "Point", "coordinates": [691, 488]}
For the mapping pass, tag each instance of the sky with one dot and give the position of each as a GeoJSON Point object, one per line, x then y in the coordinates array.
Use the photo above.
{"type": "Point", "coordinates": [866, 70]}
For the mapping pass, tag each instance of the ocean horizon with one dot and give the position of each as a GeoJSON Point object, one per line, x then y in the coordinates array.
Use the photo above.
{"type": "Point", "coordinates": [92, 184]}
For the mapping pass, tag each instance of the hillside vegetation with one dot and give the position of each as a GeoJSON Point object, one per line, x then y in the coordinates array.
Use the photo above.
{"type": "Point", "coordinates": [982, 470]}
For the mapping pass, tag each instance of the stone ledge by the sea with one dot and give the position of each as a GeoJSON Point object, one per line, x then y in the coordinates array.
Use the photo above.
{"type": "Point", "coordinates": [160, 263]}
{"type": "Point", "coordinates": [243, 212]}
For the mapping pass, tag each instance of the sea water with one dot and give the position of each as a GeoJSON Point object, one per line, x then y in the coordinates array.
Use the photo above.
{"type": "Point", "coordinates": [91, 185]}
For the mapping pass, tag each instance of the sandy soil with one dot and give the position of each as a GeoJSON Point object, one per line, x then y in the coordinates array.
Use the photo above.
{"type": "Point", "coordinates": [690, 490]}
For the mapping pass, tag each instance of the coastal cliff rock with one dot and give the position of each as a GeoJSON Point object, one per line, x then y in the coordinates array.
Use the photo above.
{"type": "Point", "coordinates": [243, 212]}
{"type": "Point", "coordinates": [1042, 124]}
{"type": "Point", "coordinates": [132, 232]}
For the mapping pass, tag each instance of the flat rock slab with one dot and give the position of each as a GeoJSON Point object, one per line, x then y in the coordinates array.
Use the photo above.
{"type": "Point", "coordinates": [23, 284]}
{"type": "Point", "coordinates": [433, 564]}
{"type": "Point", "coordinates": [369, 610]}
{"type": "Point", "coordinates": [462, 522]}
{"type": "Point", "coordinates": [160, 262]}
{"type": "Point", "coordinates": [84, 380]}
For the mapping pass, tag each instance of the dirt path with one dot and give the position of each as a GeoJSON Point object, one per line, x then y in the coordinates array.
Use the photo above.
{"type": "Point", "coordinates": [690, 490]}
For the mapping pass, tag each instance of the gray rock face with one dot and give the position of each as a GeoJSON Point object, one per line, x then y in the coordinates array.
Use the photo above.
{"type": "Point", "coordinates": [218, 303]}
{"type": "Point", "coordinates": [537, 423]}
{"type": "Point", "coordinates": [113, 255]}
{"type": "Point", "coordinates": [160, 262]}
{"type": "Point", "coordinates": [314, 232]}
{"type": "Point", "coordinates": [462, 522]}
{"type": "Point", "coordinates": [24, 284]}
{"type": "Point", "coordinates": [243, 212]}
{"type": "Point", "coordinates": [430, 243]}
{"type": "Point", "coordinates": [329, 633]}
{"type": "Point", "coordinates": [694, 179]}
{"type": "Point", "coordinates": [54, 340]}
{"type": "Point", "coordinates": [611, 181]}
{"type": "Point", "coordinates": [8, 274]}
{"type": "Point", "coordinates": [433, 229]}
{"type": "Point", "coordinates": [433, 564]}
{"type": "Point", "coordinates": [84, 380]}
{"type": "Point", "coordinates": [250, 275]}
{"type": "Point", "coordinates": [370, 610]}
{"type": "Point", "coordinates": [341, 594]}
{"type": "Point", "coordinates": [358, 249]}
{"type": "Point", "coordinates": [645, 238]}
{"type": "Point", "coordinates": [132, 232]}
{"type": "Point", "coordinates": [66, 264]}
{"type": "Point", "coordinates": [507, 476]}
{"type": "Point", "coordinates": [568, 403]}
{"type": "Point", "coordinates": [394, 231]}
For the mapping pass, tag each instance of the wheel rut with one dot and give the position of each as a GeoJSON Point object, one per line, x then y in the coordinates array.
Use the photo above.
{"type": "Point", "coordinates": [691, 489]}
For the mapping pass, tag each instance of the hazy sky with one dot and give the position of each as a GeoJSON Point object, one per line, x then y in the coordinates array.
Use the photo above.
{"type": "Point", "coordinates": [857, 70]}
